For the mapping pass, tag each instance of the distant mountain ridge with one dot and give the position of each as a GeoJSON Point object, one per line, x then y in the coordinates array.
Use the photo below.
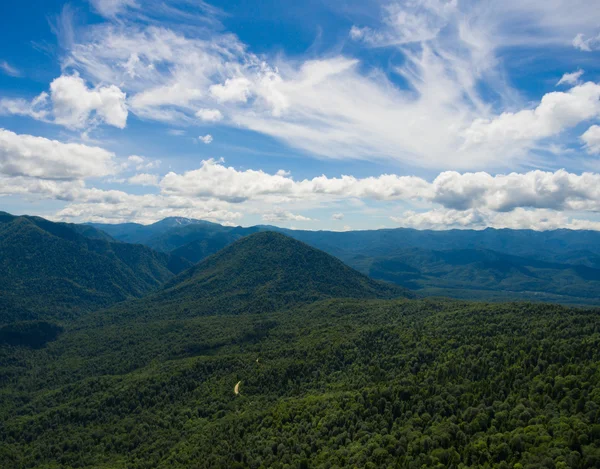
{"type": "Point", "coordinates": [55, 270]}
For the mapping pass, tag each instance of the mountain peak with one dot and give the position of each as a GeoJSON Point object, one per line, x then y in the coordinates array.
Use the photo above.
{"type": "Point", "coordinates": [265, 271]}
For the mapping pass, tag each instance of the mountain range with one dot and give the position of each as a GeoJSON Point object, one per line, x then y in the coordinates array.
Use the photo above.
{"type": "Point", "coordinates": [559, 266]}
{"type": "Point", "coordinates": [272, 353]}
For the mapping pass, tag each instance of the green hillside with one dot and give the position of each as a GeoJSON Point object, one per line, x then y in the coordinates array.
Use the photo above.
{"type": "Point", "coordinates": [259, 273]}
{"type": "Point", "coordinates": [50, 270]}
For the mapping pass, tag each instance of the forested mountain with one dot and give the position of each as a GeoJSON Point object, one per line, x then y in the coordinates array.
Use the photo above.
{"type": "Point", "coordinates": [262, 272]}
{"type": "Point", "coordinates": [323, 382]}
{"type": "Point", "coordinates": [479, 273]}
{"type": "Point", "coordinates": [560, 266]}
{"type": "Point", "coordinates": [55, 270]}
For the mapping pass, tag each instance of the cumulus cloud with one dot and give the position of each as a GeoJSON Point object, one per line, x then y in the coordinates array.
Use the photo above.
{"type": "Point", "coordinates": [503, 192]}
{"type": "Point", "coordinates": [72, 104]}
{"type": "Point", "coordinates": [38, 157]}
{"type": "Point", "coordinates": [117, 207]}
{"type": "Point", "coordinates": [144, 179]}
{"type": "Point", "coordinates": [591, 138]}
{"type": "Point", "coordinates": [209, 115]}
{"type": "Point", "coordinates": [206, 139]}
{"type": "Point", "coordinates": [65, 190]}
{"type": "Point", "coordinates": [532, 199]}
{"type": "Point", "coordinates": [570, 78]}
{"type": "Point", "coordinates": [556, 112]}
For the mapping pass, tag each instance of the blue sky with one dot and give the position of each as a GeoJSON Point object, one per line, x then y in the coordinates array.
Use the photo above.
{"type": "Point", "coordinates": [314, 115]}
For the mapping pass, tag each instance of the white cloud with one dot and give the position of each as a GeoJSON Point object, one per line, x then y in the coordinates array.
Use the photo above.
{"type": "Point", "coordinates": [586, 45]}
{"type": "Point", "coordinates": [233, 90]}
{"type": "Point", "coordinates": [209, 115]}
{"type": "Point", "coordinates": [38, 157]}
{"type": "Point", "coordinates": [207, 139]}
{"type": "Point", "coordinates": [570, 78]}
{"type": "Point", "coordinates": [141, 163]}
{"type": "Point", "coordinates": [28, 187]}
{"type": "Point", "coordinates": [537, 219]}
{"type": "Point", "coordinates": [176, 132]}
{"type": "Point", "coordinates": [556, 112]}
{"type": "Point", "coordinates": [144, 179]}
{"type": "Point", "coordinates": [110, 8]}
{"type": "Point", "coordinates": [9, 70]}
{"type": "Point", "coordinates": [36, 109]}
{"type": "Point", "coordinates": [72, 104]}
{"type": "Point", "coordinates": [409, 22]}
{"type": "Point", "coordinates": [335, 106]}
{"type": "Point", "coordinates": [537, 199]}
{"type": "Point", "coordinates": [337, 216]}
{"type": "Point", "coordinates": [117, 207]}
{"type": "Point", "coordinates": [559, 190]}
{"type": "Point", "coordinates": [282, 216]}
{"type": "Point", "coordinates": [591, 138]}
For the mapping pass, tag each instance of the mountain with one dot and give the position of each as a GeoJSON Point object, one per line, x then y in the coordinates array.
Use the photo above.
{"type": "Point", "coordinates": [262, 272]}
{"type": "Point", "coordinates": [53, 270]}
{"type": "Point", "coordinates": [502, 264]}
{"type": "Point", "coordinates": [205, 241]}
{"type": "Point", "coordinates": [480, 273]}
{"type": "Point", "coordinates": [153, 235]}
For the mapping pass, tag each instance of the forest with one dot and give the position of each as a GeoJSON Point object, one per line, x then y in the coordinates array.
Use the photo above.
{"type": "Point", "coordinates": [334, 370]}
{"type": "Point", "coordinates": [336, 383]}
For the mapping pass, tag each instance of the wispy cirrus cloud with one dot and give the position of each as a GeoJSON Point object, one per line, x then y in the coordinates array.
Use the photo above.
{"type": "Point", "coordinates": [9, 70]}
{"type": "Point", "coordinates": [331, 107]}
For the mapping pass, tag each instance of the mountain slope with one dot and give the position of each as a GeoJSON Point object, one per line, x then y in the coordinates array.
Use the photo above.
{"type": "Point", "coordinates": [50, 270]}
{"type": "Point", "coordinates": [262, 272]}
{"type": "Point", "coordinates": [478, 273]}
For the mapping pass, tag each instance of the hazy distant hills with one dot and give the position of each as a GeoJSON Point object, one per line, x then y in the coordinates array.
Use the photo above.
{"type": "Point", "coordinates": [560, 265]}
{"type": "Point", "coordinates": [56, 270]}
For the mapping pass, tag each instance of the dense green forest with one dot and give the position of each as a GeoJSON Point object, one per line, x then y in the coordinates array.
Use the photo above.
{"type": "Point", "coordinates": [338, 383]}
{"type": "Point", "coordinates": [554, 266]}
{"type": "Point", "coordinates": [54, 270]}
{"type": "Point", "coordinates": [325, 382]}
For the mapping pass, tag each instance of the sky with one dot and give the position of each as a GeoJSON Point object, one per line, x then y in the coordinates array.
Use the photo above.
{"type": "Point", "coordinates": [337, 115]}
